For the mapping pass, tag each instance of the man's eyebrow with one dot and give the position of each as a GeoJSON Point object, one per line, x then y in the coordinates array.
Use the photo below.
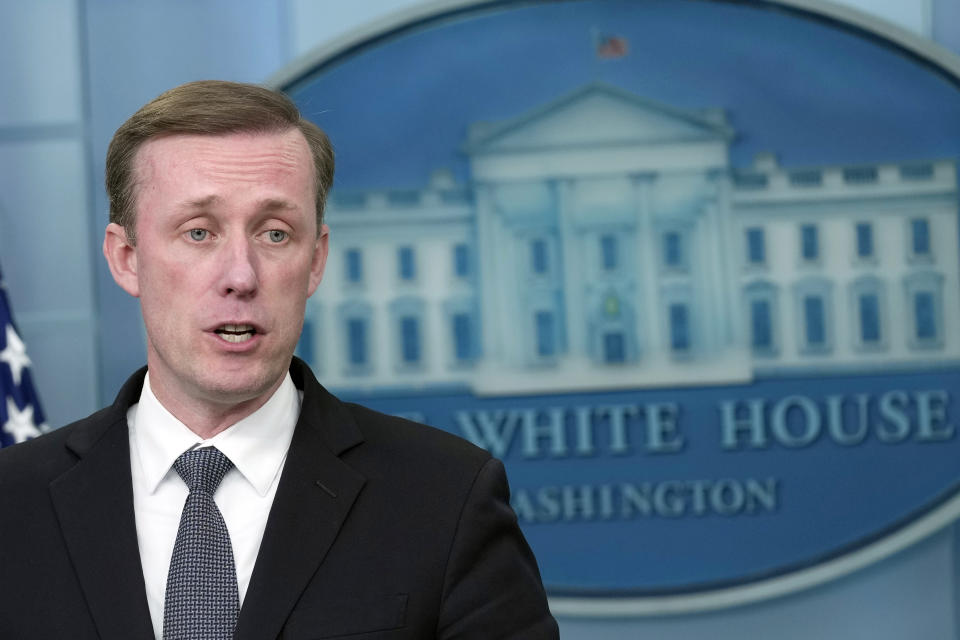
{"type": "Point", "coordinates": [269, 204]}
{"type": "Point", "coordinates": [200, 203]}
{"type": "Point", "coordinates": [272, 204]}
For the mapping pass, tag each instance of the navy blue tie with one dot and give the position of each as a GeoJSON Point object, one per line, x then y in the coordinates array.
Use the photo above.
{"type": "Point", "coordinates": [201, 601]}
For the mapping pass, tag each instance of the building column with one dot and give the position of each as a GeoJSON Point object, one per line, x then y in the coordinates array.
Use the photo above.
{"type": "Point", "coordinates": [572, 285]}
{"type": "Point", "coordinates": [711, 278]}
{"type": "Point", "coordinates": [647, 322]}
{"type": "Point", "coordinates": [726, 245]}
{"type": "Point", "coordinates": [490, 253]}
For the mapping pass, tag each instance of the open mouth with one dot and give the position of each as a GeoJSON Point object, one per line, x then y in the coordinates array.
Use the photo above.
{"type": "Point", "coordinates": [236, 332]}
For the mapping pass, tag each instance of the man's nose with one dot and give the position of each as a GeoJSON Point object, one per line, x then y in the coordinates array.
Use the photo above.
{"type": "Point", "coordinates": [239, 269]}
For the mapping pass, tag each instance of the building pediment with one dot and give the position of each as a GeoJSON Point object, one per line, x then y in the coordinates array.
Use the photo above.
{"type": "Point", "coordinates": [597, 115]}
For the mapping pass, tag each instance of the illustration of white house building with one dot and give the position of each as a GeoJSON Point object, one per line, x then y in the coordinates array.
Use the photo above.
{"type": "Point", "coordinates": [604, 241]}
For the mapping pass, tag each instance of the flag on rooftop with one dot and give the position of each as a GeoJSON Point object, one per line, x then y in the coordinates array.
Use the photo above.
{"type": "Point", "coordinates": [21, 417]}
{"type": "Point", "coordinates": [609, 46]}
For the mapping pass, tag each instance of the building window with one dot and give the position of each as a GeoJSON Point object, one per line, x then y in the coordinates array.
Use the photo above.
{"type": "Point", "coordinates": [461, 260]}
{"type": "Point", "coordinates": [614, 347]}
{"type": "Point", "coordinates": [761, 325]}
{"type": "Point", "coordinates": [539, 260]}
{"type": "Point", "coordinates": [406, 320]}
{"type": "Point", "coordinates": [867, 295]}
{"type": "Point", "coordinates": [864, 240]}
{"type": "Point", "coordinates": [756, 249]}
{"type": "Point", "coordinates": [354, 266]}
{"type": "Point", "coordinates": [679, 327]}
{"type": "Point", "coordinates": [410, 339]}
{"type": "Point", "coordinates": [462, 331]}
{"type": "Point", "coordinates": [608, 252]}
{"type": "Point", "coordinates": [814, 305]}
{"type": "Point", "coordinates": [673, 250]}
{"type": "Point", "coordinates": [462, 337]}
{"type": "Point", "coordinates": [761, 312]}
{"type": "Point", "coordinates": [406, 263]}
{"type": "Point", "coordinates": [921, 171]}
{"type": "Point", "coordinates": [920, 237]}
{"type": "Point", "coordinates": [357, 342]}
{"type": "Point", "coordinates": [859, 175]}
{"type": "Point", "coordinates": [868, 307]}
{"type": "Point", "coordinates": [809, 242]}
{"type": "Point", "coordinates": [806, 178]}
{"type": "Point", "coordinates": [924, 313]}
{"type": "Point", "coordinates": [925, 309]}
{"type": "Point", "coordinates": [546, 334]}
{"type": "Point", "coordinates": [814, 317]}
{"type": "Point", "coordinates": [355, 333]}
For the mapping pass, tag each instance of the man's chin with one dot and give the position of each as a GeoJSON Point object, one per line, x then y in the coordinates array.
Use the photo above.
{"type": "Point", "coordinates": [242, 387]}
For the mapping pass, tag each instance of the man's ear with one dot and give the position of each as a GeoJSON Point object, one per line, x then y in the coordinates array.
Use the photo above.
{"type": "Point", "coordinates": [121, 258]}
{"type": "Point", "coordinates": [319, 259]}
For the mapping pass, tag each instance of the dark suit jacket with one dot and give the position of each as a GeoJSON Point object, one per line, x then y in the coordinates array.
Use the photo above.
{"type": "Point", "coordinates": [381, 528]}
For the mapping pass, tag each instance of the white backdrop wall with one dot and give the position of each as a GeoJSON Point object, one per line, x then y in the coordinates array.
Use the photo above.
{"type": "Point", "coordinates": [73, 70]}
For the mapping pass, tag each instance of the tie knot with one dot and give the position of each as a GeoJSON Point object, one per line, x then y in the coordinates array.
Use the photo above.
{"type": "Point", "coordinates": [203, 469]}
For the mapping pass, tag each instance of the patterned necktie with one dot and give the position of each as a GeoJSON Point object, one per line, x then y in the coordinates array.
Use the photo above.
{"type": "Point", "coordinates": [201, 601]}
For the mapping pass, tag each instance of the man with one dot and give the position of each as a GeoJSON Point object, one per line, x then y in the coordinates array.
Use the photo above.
{"type": "Point", "coordinates": [226, 493]}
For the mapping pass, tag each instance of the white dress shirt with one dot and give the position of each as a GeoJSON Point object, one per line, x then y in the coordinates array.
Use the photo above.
{"type": "Point", "coordinates": [257, 446]}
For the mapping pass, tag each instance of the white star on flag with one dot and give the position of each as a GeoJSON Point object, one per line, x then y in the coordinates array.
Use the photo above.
{"type": "Point", "coordinates": [15, 354]}
{"type": "Point", "coordinates": [19, 423]}
{"type": "Point", "coordinates": [16, 383]}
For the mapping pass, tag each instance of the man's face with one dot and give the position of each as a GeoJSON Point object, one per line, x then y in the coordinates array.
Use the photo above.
{"type": "Point", "coordinates": [226, 255]}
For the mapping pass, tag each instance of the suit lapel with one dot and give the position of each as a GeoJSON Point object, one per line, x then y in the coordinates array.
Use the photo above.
{"type": "Point", "coordinates": [94, 504]}
{"type": "Point", "coordinates": [316, 492]}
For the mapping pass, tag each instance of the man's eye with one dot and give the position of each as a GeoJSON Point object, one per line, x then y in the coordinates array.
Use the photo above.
{"type": "Point", "coordinates": [276, 235]}
{"type": "Point", "coordinates": [198, 234]}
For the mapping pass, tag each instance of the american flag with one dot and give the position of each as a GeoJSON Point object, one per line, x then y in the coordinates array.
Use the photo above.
{"type": "Point", "coordinates": [610, 47]}
{"type": "Point", "coordinates": [21, 417]}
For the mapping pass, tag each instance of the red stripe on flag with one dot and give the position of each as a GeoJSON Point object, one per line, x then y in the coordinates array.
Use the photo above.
{"type": "Point", "coordinates": [611, 47]}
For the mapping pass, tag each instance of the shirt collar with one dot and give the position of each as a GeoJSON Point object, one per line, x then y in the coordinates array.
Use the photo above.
{"type": "Point", "coordinates": [257, 445]}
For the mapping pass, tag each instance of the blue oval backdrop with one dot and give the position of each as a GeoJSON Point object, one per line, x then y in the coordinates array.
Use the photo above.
{"type": "Point", "coordinates": [689, 267]}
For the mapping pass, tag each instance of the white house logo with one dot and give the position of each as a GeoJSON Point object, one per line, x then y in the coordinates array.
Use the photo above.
{"type": "Point", "coordinates": [699, 374]}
